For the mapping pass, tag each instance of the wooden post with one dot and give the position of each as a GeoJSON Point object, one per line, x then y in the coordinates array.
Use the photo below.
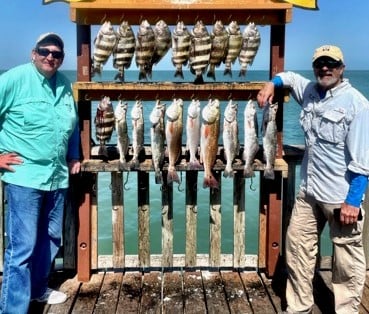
{"type": "Point", "coordinates": [191, 218]}
{"type": "Point", "coordinates": [167, 222]}
{"type": "Point", "coordinates": [143, 199]}
{"type": "Point", "coordinates": [215, 222]}
{"type": "Point", "coordinates": [118, 219]}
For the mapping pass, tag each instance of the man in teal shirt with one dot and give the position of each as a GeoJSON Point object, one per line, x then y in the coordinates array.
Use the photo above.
{"type": "Point", "coordinates": [39, 145]}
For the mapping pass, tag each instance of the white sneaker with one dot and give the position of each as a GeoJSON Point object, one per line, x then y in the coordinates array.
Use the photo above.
{"type": "Point", "coordinates": [52, 297]}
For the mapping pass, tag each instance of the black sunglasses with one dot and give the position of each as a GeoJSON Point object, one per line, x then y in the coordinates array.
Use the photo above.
{"type": "Point", "coordinates": [45, 52]}
{"type": "Point", "coordinates": [329, 63]}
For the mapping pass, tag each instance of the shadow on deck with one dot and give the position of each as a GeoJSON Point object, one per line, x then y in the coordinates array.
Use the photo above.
{"type": "Point", "coordinates": [179, 291]}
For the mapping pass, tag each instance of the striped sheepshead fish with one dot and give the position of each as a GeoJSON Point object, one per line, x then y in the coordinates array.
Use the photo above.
{"type": "Point", "coordinates": [104, 44]}
{"type": "Point", "coordinates": [124, 49]}
{"type": "Point", "coordinates": [199, 51]}
{"type": "Point", "coordinates": [104, 123]}
{"type": "Point", "coordinates": [181, 41]}
{"type": "Point", "coordinates": [145, 46]}
{"type": "Point", "coordinates": [234, 46]}
{"type": "Point", "coordinates": [163, 41]}
{"type": "Point", "coordinates": [250, 46]}
{"type": "Point", "coordinates": [219, 46]}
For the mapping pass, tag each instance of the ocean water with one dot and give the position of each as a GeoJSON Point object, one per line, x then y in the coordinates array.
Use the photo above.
{"type": "Point", "coordinates": [292, 135]}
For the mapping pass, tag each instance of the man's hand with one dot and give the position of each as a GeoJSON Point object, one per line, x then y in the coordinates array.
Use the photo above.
{"type": "Point", "coordinates": [349, 214]}
{"type": "Point", "coordinates": [266, 94]}
{"type": "Point", "coordinates": [8, 159]}
{"type": "Point", "coordinates": [74, 166]}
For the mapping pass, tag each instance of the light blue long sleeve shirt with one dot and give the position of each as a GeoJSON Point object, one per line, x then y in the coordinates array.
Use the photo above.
{"type": "Point", "coordinates": [336, 137]}
{"type": "Point", "coordinates": [38, 125]}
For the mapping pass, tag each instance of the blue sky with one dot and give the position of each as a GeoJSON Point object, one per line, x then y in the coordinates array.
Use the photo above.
{"type": "Point", "coordinates": [340, 22]}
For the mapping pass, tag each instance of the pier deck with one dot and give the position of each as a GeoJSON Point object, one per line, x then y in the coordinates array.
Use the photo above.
{"type": "Point", "coordinates": [198, 291]}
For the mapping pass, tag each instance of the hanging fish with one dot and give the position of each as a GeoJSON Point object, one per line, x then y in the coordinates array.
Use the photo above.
{"type": "Point", "coordinates": [104, 124]}
{"type": "Point", "coordinates": [269, 131]}
{"type": "Point", "coordinates": [124, 49]}
{"type": "Point", "coordinates": [219, 46]}
{"type": "Point", "coordinates": [234, 46]}
{"type": "Point", "coordinates": [181, 41]}
{"type": "Point", "coordinates": [120, 114]}
{"type": "Point", "coordinates": [250, 46]}
{"type": "Point", "coordinates": [145, 45]}
{"type": "Point", "coordinates": [163, 41]}
{"type": "Point", "coordinates": [137, 132]}
{"type": "Point", "coordinates": [251, 142]}
{"type": "Point", "coordinates": [173, 136]}
{"type": "Point", "coordinates": [209, 141]}
{"type": "Point", "coordinates": [157, 133]}
{"type": "Point", "coordinates": [193, 124]}
{"type": "Point", "coordinates": [104, 44]}
{"type": "Point", "coordinates": [230, 137]}
{"type": "Point", "coordinates": [199, 51]}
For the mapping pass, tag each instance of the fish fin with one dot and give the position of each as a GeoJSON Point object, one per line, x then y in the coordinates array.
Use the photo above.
{"type": "Point", "coordinates": [210, 182]}
{"type": "Point", "coordinates": [269, 173]}
{"type": "Point", "coordinates": [173, 176]}
{"type": "Point", "coordinates": [135, 163]}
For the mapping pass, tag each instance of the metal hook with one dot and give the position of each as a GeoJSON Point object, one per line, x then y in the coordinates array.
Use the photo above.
{"type": "Point", "coordinates": [103, 19]}
{"type": "Point", "coordinates": [248, 18]}
{"type": "Point", "coordinates": [125, 183]}
{"type": "Point", "coordinates": [230, 18]}
{"type": "Point", "coordinates": [230, 96]}
{"type": "Point", "coordinates": [121, 19]}
{"type": "Point", "coordinates": [87, 98]}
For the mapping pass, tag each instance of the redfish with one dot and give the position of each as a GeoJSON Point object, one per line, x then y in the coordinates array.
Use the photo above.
{"type": "Point", "coordinates": [173, 136]}
{"type": "Point", "coordinates": [209, 141]}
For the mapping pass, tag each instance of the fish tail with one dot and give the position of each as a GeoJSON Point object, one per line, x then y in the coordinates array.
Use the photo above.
{"type": "Point", "coordinates": [269, 173]}
{"type": "Point", "coordinates": [194, 165]}
{"type": "Point", "coordinates": [210, 182]}
{"type": "Point", "coordinates": [199, 79]}
{"type": "Point", "coordinates": [242, 73]}
{"type": "Point", "coordinates": [123, 166]}
{"type": "Point", "coordinates": [135, 163]}
{"type": "Point", "coordinates": [173, 176]}
{"type": "Point", "coordinates": [227, 71]}
{"type": "Point", "coordinates": [211, 74]}
{"type": "Point", "coordinates": [119, 77]}
{"type": "Point", "coordinates": [142, 75]}
{"type": "Point", "coordinates": [103, 151]}
{"type": "Point", "coordinates": [179, 73]}
{"type": "Point", "coordinates": [228, 172]}
{"type": "Point", "coordinates": [158, 177]}
{"type": "Point", "coordinates": [248, 172]}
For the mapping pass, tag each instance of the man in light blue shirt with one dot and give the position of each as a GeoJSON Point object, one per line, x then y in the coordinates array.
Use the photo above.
{"type": "Point", "coordinates": [334, 177]}
{"type": "Point", "coordinates": [39, 146]}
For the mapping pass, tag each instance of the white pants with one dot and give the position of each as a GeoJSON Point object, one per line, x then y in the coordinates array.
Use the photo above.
{"type": "Point", "coordinates": [349, 268]}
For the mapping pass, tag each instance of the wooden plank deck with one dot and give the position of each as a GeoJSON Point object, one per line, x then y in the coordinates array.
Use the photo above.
{"type": "Point", "coordinates": [193, 291]}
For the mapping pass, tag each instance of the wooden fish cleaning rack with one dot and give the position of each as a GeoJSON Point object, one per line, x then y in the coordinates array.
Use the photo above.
{"type": "Point", "coordinates": [261, 12]}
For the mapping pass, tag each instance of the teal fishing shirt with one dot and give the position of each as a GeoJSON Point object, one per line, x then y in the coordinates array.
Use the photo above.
{"type": "Point", "coordinates": [38, 125]}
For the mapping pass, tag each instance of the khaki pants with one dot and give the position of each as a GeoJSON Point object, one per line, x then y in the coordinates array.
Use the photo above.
{"type": "Point", "coordinates": [348, 273]}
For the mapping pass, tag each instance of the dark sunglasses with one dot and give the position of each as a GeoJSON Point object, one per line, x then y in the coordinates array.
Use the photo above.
{"type": "Point", "coordinates": [329, 63]}
{"type": "Point", "coordinates": [45, 52]}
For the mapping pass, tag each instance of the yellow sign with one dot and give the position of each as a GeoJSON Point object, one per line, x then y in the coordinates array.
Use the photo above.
{"type": "Point", "coordinates": [306, 4]}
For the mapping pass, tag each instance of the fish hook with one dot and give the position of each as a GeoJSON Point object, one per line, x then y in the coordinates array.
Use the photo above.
{"type": "Point", "coordinates": [194, 209]}
{"type": "Point", "coordinates": [87, 98]}
{"type": "Point", "coordinates": [192, 97]}
{"type": "Point", "coordinates": [121, 19]}
{"type": "Point", "coordinates": [125, 183]}
{"type": "Point", "coordinates": [251, 185]}
{"type": "Point", "coordinates": [230, 96]}
{"type": "Point", "coordinates": [230, 18]}
{"type": "Point", "coordinates": [248, 18]}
